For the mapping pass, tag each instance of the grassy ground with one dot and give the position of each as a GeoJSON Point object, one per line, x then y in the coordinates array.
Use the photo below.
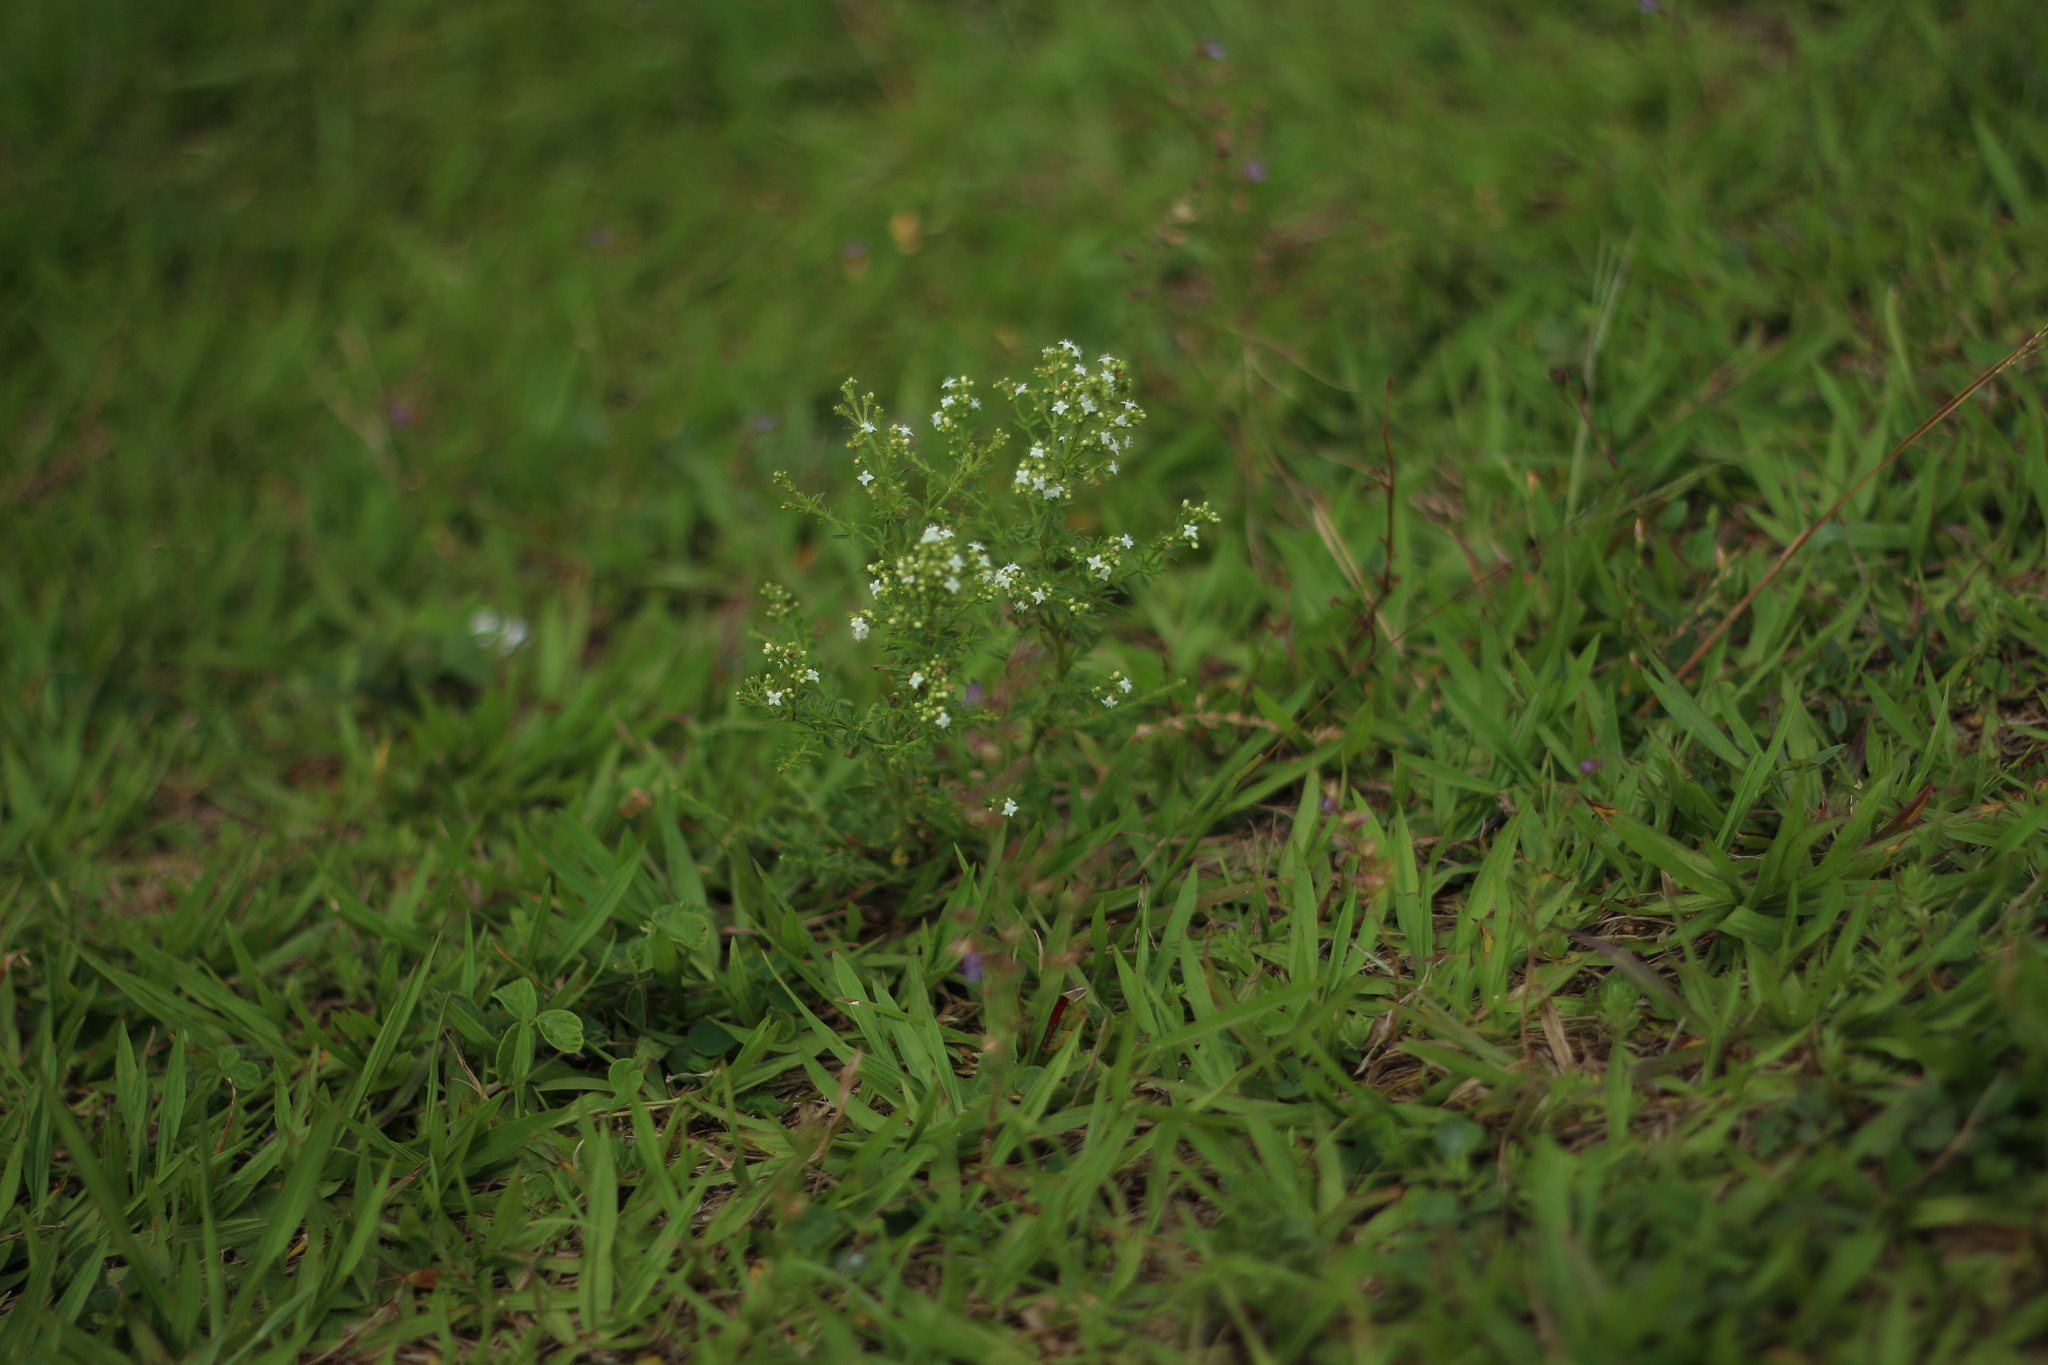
{"type": "Point", "coordinates": [1456, 981]}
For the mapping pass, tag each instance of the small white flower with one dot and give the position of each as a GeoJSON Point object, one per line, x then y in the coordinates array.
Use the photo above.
{"type": "Point", "coordinates": [1125, 684]}
{"type": "Point", "coordinates": [952, 584]}
{"type": "Point", "coordinates": [867, 428]}
{"type": "Point", "coordinates": [950, 382]}
{"type": "Point", "coordinates": [1107, 439]}
{"type": "Point", "coordinates": [1081, 370]}
{"type": "Point", "coordinates": [915, 680]}
{"type": "Point", "coordinates": [942, 720]}
{"type": "Point", "coordinates": [860, 627]}
{"type": "Point", "coordinates": [1100, 565]}
{"type": "Point", "coordinates": [937, 418]}
{"type": "Point", "coordinates": [1038, 452]}
{"type": "Point", "coordinates": [1110, 702]}
{"type": "Point", "coordinates": [1060, 407]}
{"type": "Point", "coordinates": [810, 675]}
{"type": "Point", "coordinates": [1053, 492]}
{"type": "Point", "coordinates": [774, 697]}
{"type": "Point", "coordinates": [1123, 419]}
{"type": "Point", "coordinates": [974, 403]}
{"type": "Point", "coordinates": [1087, 405]}
{"type": "Point", "coordinates": [1022, 389]}
{"type": "Point", "coordinates": [866, 477]}
{"type": "Point", "coordinates": [1070, 348]}
{"type": "Point", "coordinates": [903, 432]}
{"type": "Point", "coordinates": [1189, 531]}
{"type": "Point", "coordinates": [1129, 406]}
{"type": "Point", "coordinates": [1037, 595]}
{"type": "Point", "coordinates": [875, 586]}
{"type": "Point", "coordinates": [504, 634]}
{"type": "Point", "coordinates": [1009, 806]}
{"type": "Point", "coordinates": [933, 534]}
{"type": "Point", "coordinates": [1113, 466]}
{"type": "Point", "coordinates": [1126, 541]}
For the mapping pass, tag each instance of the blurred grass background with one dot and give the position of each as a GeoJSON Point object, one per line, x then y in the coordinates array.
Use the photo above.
{"type": "Point", "coordinates": [324, 327]}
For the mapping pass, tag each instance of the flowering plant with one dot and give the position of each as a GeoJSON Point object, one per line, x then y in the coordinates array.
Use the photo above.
{"type": "Point", "coordinates": [967, 567]}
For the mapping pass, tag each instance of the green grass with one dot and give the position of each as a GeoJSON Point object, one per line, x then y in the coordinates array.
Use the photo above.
{"type": "Point", "coordinates": [1455, 982]}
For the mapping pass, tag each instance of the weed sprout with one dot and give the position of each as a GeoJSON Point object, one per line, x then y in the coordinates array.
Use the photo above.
{"type": "Point", "coordinates": [972, 553]}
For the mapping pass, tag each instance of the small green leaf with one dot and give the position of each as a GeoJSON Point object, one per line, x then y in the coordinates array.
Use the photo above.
{"type": "Point", "coordinates": [625, 1079]}
{"type": "Point", "coordinates": [684, 924]}
{"type": "Point", "coordinates": [518, 996]}
{"type": "Point", "coordinates": [515, 1054]}
{"type": "Point", "coordinates": [712, 1039]}
{"type": "Point", "coordinates": [563, 1030]}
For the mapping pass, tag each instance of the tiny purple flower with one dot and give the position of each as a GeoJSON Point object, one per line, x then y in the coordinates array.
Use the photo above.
{"type": "Point", "coordinates": [974, 694]}
{"type": "Point", "coordinates": [1589, 766]}
{"type": "Point", "coordinates": [1329, 805]}
{"type": "Point", "coordinates": [1214, 51]}
{"type": "Point", "coordinates": [971, 968]}
{"type": "Point", "coordinates": [1255, 171]}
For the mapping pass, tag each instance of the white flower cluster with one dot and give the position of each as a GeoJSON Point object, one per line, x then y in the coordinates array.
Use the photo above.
{"type": "Point", "coordinates": [1086, 420]}
{"type": "Point", "coordinates": [1192, 517]}
{"type": "Point", "coordinates": [878, 453]}
{"type": "Point", "coordinates": [958, 399]}
{"type": "Point", "coordinates": [790, 679]}
{"type": "Point", "coordinates": [1102, 563]}
{"type": "Point", "coordinates": [920, 595]}
{"type": "Point", "coordinates": [1031, 474]}
{"type": "Point", "coordinates": [1012, 576]}
{"type": "Point", "coordinates": [789, 676]}
{"type": "Point", "coordinates": [938, 598]}
{"type": "Point", "coordinates": [931, 694]}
